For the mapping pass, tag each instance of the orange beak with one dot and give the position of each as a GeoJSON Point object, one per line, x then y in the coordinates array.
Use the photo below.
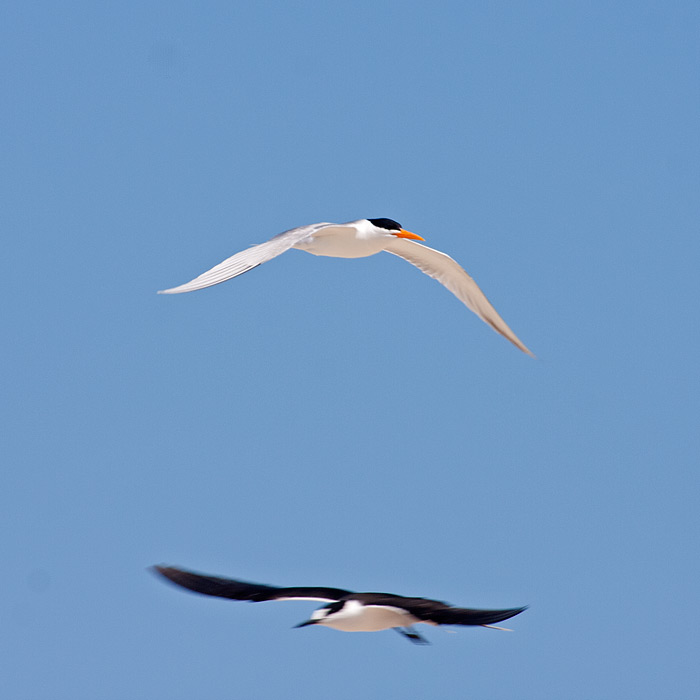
{"type": "Point", "coordinates": [407, 234]}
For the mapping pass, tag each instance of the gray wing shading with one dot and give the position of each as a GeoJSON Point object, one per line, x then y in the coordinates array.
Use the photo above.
{"type": "Point", "coordinates": [244, 590]}
{"type": "Point", "coordinates": [247, 259]}
{"type": "Point", "coordinates": [449, 273]}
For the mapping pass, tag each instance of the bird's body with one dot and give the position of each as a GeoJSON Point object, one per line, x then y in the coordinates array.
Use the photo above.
{"type": "Point", "coordinates": [360, 239]}
{"type": "Point", "coordinates": [333, 241]}
{"type": "Point", "coordinates": [345, 610]}
{"type": "Point", "coordinates": [357, 616]}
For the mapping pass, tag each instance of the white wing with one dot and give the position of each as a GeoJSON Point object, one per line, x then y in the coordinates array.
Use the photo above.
{"type": "Point", "coordinates": [450, 274]}
{"type": "Point", "coordinates": [247, 259]}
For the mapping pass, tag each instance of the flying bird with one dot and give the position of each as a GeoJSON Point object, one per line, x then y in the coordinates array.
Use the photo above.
{"type": "Point", "coordinates": [360, 239]}
{"type": "Point", "coordinates": [345, 610]}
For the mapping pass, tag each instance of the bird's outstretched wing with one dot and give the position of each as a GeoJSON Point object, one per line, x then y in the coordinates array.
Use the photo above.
{"type": "Point", "coordinates": [436, 611]}
{"type": "Point", "coordinates": [244, 590]}
{"type": "Point", "coordinates": [449, 273]}
{"type": "Point", "coordinates": [467, 616]}
{"type": "Point", "coordinates": [247, 259]}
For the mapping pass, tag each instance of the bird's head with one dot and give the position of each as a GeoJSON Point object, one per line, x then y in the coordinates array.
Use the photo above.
{"type": "Point", "coordinates": [394, 229]}
{"type": "Point", "coordinates": [318, 616]}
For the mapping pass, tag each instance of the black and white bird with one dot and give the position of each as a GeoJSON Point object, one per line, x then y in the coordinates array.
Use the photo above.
{"type": "Point", "coordinates": [360, 239]}
{"type": "Point", "coordinates": [346, 611]}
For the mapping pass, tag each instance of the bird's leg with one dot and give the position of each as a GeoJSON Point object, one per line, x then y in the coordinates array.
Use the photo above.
{"type": "Point", "coordinates": [411, 634]}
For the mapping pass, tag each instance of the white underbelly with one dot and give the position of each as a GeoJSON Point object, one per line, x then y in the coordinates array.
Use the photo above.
{"type": "Point", "coordinates": [342, 242]}
{"type": "Point", "coordinates": [373, 619]}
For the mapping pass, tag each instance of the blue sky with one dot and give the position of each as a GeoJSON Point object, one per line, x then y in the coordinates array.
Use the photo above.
{"type": "Point", "coordinates": [338, 422]}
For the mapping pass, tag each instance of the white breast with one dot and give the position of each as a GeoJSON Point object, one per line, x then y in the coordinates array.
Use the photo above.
{"type": "Point", "coordinates": [345, 241]}
{"type": "Point", "coordinates": [355, 617]}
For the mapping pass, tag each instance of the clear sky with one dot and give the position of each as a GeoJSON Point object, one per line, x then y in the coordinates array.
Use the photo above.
{"type": "Point", "coordinates": [348, 422]}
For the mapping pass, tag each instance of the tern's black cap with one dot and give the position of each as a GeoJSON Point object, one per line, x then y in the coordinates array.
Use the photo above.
{"type": "Point", "coordinates": [388, 224]}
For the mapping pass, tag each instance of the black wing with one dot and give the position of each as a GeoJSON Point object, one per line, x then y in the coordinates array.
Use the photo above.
{"type": "Point", "coordinates": [244, 590]}
{"type": "Point", "coordinates": [438, 612]}
{"type": "Point", "coordinates": [467, 616]}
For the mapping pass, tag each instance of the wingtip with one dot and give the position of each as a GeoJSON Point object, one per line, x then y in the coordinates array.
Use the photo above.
{"type": "Point", "coordinates": [513, 612]}
{"type": "Point", "coordinates": [517, 611]}
{"type": "Point", "coordinates": [170, 573]}
{"type": "Point", "coordinates": [518, 344]}
{"type": "Point", "coordinates": [503, 615]}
